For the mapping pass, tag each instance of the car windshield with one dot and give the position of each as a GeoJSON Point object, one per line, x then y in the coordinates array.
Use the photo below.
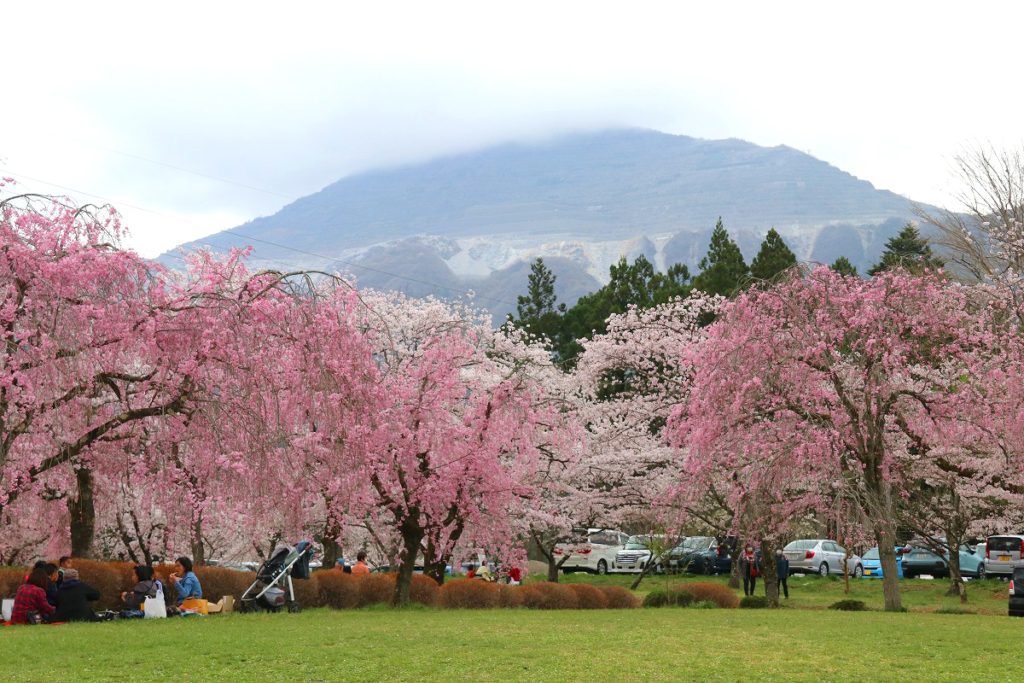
{"type": "Point", "coordinates": [801, 545]}
{"type": "Point", "coordinates": [698, 543]}
{"type": "Point", "coordinates": [871, 554]}
{"type": "Point", "coordinates": [636, 543]}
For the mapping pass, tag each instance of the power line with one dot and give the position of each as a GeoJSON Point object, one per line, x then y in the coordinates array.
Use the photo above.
{"type": "Point", "coordinates": [268, 242]}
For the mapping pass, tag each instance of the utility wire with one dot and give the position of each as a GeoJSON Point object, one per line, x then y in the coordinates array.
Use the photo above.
{"type": "Point", "coordinates": [267, 242]}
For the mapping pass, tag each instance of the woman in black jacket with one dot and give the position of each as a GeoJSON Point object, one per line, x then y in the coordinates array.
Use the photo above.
{"type": "Point", "coordinates": [73, 598]}
{"type": "Point", "coordinates": [145, 587]}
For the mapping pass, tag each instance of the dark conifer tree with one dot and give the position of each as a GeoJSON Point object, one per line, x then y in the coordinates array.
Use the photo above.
{"type": "Point", "coordinates": [723, 270]}
{"type": "Point", "coordinates": [909, 251]}
{"type": "Point", "coordinates": [773, 258]}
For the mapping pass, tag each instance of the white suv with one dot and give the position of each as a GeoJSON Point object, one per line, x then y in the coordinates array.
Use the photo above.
{"type": "Point", "coordinates": [592, 550]}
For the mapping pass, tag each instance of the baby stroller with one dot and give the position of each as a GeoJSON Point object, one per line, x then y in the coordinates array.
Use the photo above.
{"type": "Point", "coordinates": [268, 591]}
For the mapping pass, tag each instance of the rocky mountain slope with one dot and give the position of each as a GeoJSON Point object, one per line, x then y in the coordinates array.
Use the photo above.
{"type": "Point", "coordinates": [474, 221]}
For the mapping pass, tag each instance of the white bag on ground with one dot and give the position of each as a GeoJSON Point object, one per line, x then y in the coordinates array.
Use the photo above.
{"type": "Point", "coordinates": [7, 609]}
{"type": "Point", "coordinates": [155, 608]}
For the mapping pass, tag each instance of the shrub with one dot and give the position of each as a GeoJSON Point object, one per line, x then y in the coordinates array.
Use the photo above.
{"type": "Point", "coordinates": [10, 579]}
{"type": "Point", "coordinates": [588, 597]}
{"type": "Point", "coordinates": [619, 598]}
{"type": "Point", "coordinates": [546, 595]}
{"type": "Point", "coordinates": [510, 596]}
{"type": "Point", "coordinates": [705, 604]}
{"type": "Point", "coordinates": [107, 578]}
{"type": "Point", "coordinates": [753, 602]}
{"type": "Point", "coordinates": [721, 595]}
{"type": "Point", "coordinates": [337, 590]}
{"type": "Point", "coordinates": [375, 589]}
{"type": "Point", "coordinates": [849, 606]}
{"type": "Point", "coordinates": [217, 582]}
{"type": "Point", "coordinates": [677, 597]}
{"type": "Point", "coordinates": [307, 592]}
{"type": "Point", "coordinates": [424, 590]}
{"type": "Point", "coordinates": [470, 594]}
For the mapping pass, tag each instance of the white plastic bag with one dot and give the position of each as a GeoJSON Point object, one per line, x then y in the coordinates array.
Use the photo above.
{"type": "Point", "coordinates": [156, 608]}
{"type": "Point", "coordinates": [7, 608]}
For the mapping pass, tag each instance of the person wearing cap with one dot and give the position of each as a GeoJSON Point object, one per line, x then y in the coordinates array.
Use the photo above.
{"type": "Point", "coordinates": [73, 598]}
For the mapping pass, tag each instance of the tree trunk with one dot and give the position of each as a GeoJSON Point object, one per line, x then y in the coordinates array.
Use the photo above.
{"type": "Point", "coordinates": [890, 578]}
{"type": "Point", "coordinates": [411, 540]}
{"type": "Point", "coordinates": [956, 579]}
{"type": "Point", "coordinates": [332, 549]}
{"type": "Point", "coordinates": [435, 569]}
{"type": "Point", "coordinates": [198, 550]}
{"type": "Point", "coordinates": [734, 567]}
{"type": "Point", "coordinates": [770, 574]}
{"type": "Point", "coordinates": [83, 515]}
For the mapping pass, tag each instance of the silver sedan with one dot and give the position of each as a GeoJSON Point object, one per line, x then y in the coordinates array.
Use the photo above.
{"type": "Point", "coordinates": [821, 556]}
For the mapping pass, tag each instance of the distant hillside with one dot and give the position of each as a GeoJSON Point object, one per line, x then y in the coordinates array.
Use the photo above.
{"type": "Point", "coordinates": [472, 221]}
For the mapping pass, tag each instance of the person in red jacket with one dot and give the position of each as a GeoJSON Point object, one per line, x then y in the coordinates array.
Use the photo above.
{"type": "Point", "coordinates": [31, 597]}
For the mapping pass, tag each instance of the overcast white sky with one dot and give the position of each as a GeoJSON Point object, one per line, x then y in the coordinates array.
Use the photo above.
{"type": "Point", "coordinates": [288, 98]}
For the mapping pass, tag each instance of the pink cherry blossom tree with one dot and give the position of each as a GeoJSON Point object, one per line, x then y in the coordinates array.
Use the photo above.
{"type": "Point", "coordinates": [833, 372]}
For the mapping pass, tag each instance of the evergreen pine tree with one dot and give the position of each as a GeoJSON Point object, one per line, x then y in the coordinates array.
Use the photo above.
{"type": "Point", "coordinates": [773, 258]}
{"type": "Point", "coordinates": [723, 270]}
{"type": "Point", "coordinates": [844, 267]}
{"type": "Point", "coordinates": [909, 251]}
{"type": "Point", "coordinates": [536, 311]}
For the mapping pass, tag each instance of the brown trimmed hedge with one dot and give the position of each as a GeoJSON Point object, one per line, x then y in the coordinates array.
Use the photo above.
{"type": "Point", "coordinates": [544, 595]}
{"type": "Point", "coordinates": [619, 598]}
{"type": "Point", "coordinates": [704, 591]}
{"type": "Point", "coordinates": [10, 579]}
{"type": "Point", "coordinates": [470, 594]}
{"type": "Point", "coordinates": [336, 589]}
{"type": "Point", "coordinates": [588, 597]}
{"type": "Point", "coordinates": [510, 597]}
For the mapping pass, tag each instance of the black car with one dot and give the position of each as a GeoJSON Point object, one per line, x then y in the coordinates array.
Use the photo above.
{"type": "Point", "coordinates": [702, 555]}
{"type": "Point", "coordinates": [1017, 593]}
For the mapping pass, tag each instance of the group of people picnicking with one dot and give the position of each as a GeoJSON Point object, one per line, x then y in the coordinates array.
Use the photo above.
{"type": "Point", "coordinates": [511, 576]}
{"type": "Point", "coordinates": [56, 594]}
{"type": "Point", "coordinates": [750, 569]}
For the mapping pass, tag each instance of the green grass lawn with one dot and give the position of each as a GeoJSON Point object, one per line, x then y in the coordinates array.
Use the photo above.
{"type": "Point", "coordinates": [814, 592]}
{"type": "Point", "coordinates": [424, 645]}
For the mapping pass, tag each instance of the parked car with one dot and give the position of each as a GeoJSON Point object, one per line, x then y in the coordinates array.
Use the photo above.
{"type": "Point", "coordinates": [1003, 553]}
{"type": "Point", "coordinates": [918, 560]}
{"type": "Point", "coordinates": [702, 555]}
{"type": "Point", "coordinates": [593, 550]}
{"type": "Point", "coordinates": [821, 556]}
{"type": "Point", "coordinates": [635, 555]}
{"type": "Point", "coordinates": [872, 563]}
{"type": "Point", "coordinates": [1017, 593]}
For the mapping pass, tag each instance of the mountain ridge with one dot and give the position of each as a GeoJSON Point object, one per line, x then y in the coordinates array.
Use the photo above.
{"type": "Point", "coordinates": [585, 199]}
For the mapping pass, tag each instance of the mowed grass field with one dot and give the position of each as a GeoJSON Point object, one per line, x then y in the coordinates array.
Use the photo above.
{"type": "Point", "coordinates": [803, 642]}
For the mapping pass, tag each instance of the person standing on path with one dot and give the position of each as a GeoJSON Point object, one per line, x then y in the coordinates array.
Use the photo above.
{"type": "Point", "coordinates": [748, 569]}
{"type": "Point", "coordinates": [782, 569]}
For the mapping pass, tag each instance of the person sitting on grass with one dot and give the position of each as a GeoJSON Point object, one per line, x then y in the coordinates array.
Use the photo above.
{"type": "Point", "coordinates": [30, 605]}
{"type": "Point", "coordinates": [145, 587]}
{"type": "Point", "coordinates": [360, 567]}
{"type": "Point", "coordinates": [471, 573]}
{"type": "Point", "coordinates": [65, 562]}
{"type": "Point", "coordinates": [73, 598]}
{"type": "Point", "coordinates": [53, 576]}
{"type": "Point", "coordinates": [484, 572]}
{"type": "Point", "coordinates": [185, 581]}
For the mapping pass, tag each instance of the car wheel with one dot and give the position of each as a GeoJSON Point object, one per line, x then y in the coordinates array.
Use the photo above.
{"type": "Point", "coordinates": [823, 569]}
{"type": "Point", "coordinates": [858, 571]}
{"type": "Point", "coordinates": [602, 567]}
{"type": "Point", "coordinates": [981, 572]}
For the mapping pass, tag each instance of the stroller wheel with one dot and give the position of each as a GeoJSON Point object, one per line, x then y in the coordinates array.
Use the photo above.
{"type": "Point", "coordinates": [294, 608]}
{"type": "Point", "coordinates": [248, 607]}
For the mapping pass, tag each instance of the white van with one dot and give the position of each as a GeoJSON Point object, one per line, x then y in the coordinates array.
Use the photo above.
{"type": "Point", "coordinates": [1002, 553]}
{"type": "Point", "coordinates": [592, 550]}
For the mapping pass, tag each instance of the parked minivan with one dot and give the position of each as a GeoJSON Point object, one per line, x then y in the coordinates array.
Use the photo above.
{"type": "Point", "coordinates": [592, 550]}
{"type": "Point", "coordinates": [1002, 553]}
